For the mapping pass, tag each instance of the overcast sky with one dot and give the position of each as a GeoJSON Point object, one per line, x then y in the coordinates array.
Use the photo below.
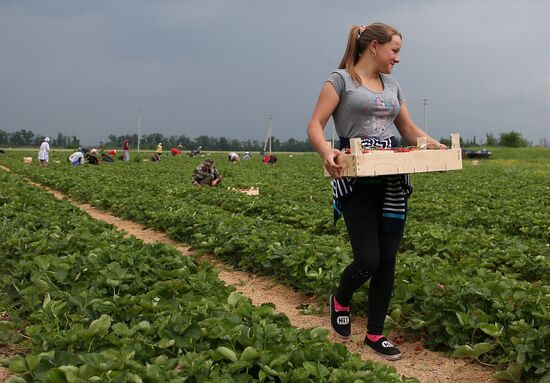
{"type": "Point", "coordinates": [220, 67]}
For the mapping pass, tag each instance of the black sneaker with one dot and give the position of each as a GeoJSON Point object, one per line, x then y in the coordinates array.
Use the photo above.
{"type": "Point", "coordinates": [385, 348]}
{"type": "Point", "coordinates": [340, 320]}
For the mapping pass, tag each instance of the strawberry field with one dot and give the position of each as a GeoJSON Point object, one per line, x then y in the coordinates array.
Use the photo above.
{"type": "Point", "coordinates": [473, 275]}
{"type": "Point", "coordinates": [92, 306]}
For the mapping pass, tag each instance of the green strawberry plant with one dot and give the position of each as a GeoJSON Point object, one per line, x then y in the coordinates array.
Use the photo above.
{"type": "Point", "coordinates": [88, 305]}
{"type": "Point", "coordinates": [474, 267]}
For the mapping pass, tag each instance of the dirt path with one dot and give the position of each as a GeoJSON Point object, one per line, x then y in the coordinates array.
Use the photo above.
{"type": "Point", "coordinates": [418, 362]}
{"type": "Point", "coordinates": [5, 351]}
{"type": "Point", "coordinates": [4, 371]}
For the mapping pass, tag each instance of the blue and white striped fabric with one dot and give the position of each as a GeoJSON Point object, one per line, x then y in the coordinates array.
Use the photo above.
{"type": "Point", "coordinates": [397, 187]}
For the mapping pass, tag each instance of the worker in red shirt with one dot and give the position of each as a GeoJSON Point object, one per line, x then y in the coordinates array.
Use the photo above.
{"type": "Point", "coordinates": [126, 149]}
{"type": "Point", "coordinates": [175, 152]}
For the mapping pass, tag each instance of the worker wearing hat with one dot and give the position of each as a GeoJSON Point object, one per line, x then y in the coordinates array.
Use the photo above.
{"type": "Point", "coordinates": [206, 174]}
{"type": "Point", "coordinates": [44, 152]}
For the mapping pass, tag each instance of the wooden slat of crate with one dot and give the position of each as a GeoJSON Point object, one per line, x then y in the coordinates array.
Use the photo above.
{"type": "Point", "coordinates": [376, 163]}
{"type": "Point", "coordinates": [379, 163]}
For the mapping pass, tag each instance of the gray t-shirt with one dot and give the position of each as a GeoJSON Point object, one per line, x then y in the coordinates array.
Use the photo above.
{"type": "Point", "coordinates": [362, 112]}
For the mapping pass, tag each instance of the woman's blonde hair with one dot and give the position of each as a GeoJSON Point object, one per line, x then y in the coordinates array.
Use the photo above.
{"type": "Point", "coordinates": [359, 39]}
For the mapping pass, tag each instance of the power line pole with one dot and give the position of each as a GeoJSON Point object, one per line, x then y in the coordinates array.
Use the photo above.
{"type": "Point", "coordinates": [425, 104]}
{"type": "Point", "coordinates": [268, 136]}
{"type": "Point", "coordinates": [270, 133]}
{"type": "Point", "coordinates": [140, 120]}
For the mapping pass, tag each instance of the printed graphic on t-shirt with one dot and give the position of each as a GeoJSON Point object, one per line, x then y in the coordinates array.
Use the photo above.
{"type": "Point", "coordinates": [377, 125]}
{"type": "Point", "coordinates": [362, 112]}
{"type": "Point", "coordinates": [383, 112]}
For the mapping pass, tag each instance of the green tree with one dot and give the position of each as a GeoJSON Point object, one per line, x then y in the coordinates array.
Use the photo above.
{"type": "Point", "coordinates": [27, 136]}
{"type": "Point", "coordinates": [491, 139]}
{"type": "Point", "coordinates": [38, 139]}
{"type": "Point", "coordinates": [444, 141]}
{"type": "Point", "coordinates": [4, 137]}
{"type": "Point", "coordinates": [153, 139]}
{"type": "Point", "coordinates": [113, 141]}
{"type": "Point", "coordinates": [223, 144]}
{"type": "Point", "coordinates": [60, 141]}
{"type": "Point", "coordinates": [17, 139]}
{"type": "Point", "coordinates": [75, 142]}
{"type": "Point", "coordinates": [205, 142]}
{"type": "Point", "coordinates": [512, 139]}
{"type": "Point", "coordinates": [150, 141]}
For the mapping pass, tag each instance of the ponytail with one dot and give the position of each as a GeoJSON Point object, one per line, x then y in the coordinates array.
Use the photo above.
{"type": "Point", "coordinates": [359, 39]}
{"type": "Point", "coordinates": [352, 53]}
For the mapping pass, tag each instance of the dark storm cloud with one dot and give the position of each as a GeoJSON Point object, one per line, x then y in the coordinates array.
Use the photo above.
{"type": "Point", "coordinates": [220, 67]}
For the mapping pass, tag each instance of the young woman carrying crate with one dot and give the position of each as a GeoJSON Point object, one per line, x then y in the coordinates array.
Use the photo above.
{"type": "Point", "coordinates": [365, 101]}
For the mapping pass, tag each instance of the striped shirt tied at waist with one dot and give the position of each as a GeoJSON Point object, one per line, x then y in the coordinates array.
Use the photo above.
{"type": "Point", "coordinates": [397, 188]}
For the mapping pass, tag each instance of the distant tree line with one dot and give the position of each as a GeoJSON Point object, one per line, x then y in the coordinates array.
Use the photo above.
{"type": "Point", "coordinates": [511, 139]}
{"type": "Point", "coordinates": [22, 138]}
{"type": "Point", "coordinates": [25, 137]}
{"type": "Point", "coordinates": [150, 141]}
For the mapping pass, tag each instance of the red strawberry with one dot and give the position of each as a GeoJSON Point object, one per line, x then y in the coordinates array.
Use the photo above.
{"type": "Point", "coordinates": [399, 339]}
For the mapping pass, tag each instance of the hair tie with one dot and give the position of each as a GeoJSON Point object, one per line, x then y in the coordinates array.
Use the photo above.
{"type": "Point", "coordinates": [361, 30]}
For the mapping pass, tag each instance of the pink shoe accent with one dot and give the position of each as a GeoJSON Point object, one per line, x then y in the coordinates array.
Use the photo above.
{"type": "Point", "coordinates": [374, 338]}
{"type": "Point", "coordinates": [338, 306]}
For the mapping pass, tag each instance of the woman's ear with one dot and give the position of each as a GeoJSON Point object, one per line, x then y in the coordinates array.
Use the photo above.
{"type": "Point", "coordinates": [373, 46]}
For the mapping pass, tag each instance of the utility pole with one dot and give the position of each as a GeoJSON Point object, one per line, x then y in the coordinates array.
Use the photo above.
{"type": "Point", "coordinates": [140, 120]}
{"type": "Point", "coordinates": [270, 134]}
{"type": "Point", "coordinates": [425, 104]}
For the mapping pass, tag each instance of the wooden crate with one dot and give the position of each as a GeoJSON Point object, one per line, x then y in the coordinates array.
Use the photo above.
{"type": "Point", "coordinates": [377, 163]}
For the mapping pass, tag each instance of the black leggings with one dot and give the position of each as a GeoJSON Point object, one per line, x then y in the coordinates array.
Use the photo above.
{"type": "Point", "coordinates": [374, 253]}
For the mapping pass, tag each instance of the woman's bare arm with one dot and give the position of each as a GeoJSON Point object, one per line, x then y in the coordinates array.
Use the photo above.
{"type": "Point", "coordinates": [408, 130]}
{"type": "Point", "coordinates": [326, 104]}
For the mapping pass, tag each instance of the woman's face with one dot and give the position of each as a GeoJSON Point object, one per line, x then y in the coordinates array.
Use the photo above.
{"type": "Point", "coordinates": [387, 55]}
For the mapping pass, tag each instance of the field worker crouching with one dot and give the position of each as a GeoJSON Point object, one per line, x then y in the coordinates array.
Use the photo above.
{"type": "Point", "coordinates": [270, 159]}
{"type": "Point", "coordinates": [106, 158]}
{"type": "Point", "coordinates": [246, 156]}
{"type": "Point", "coordinates": [233, 157]}
{"type": "Point", "coordinates": [206, 174]}
{"type": "Point", "coordinates": [91, 157]}
{"type": "Point", "coordinates": [77, 158]}
{"type": "Point", "coordinates": [175, 152]}
{"type": "Point", "coordinates": [159, 148]}
{"type": "Point", "coordinates": [44, 152]}
{"type": "Point", "coordinates": [155, 157]}
{"type": "Point", "coordinates": [194, 152]}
